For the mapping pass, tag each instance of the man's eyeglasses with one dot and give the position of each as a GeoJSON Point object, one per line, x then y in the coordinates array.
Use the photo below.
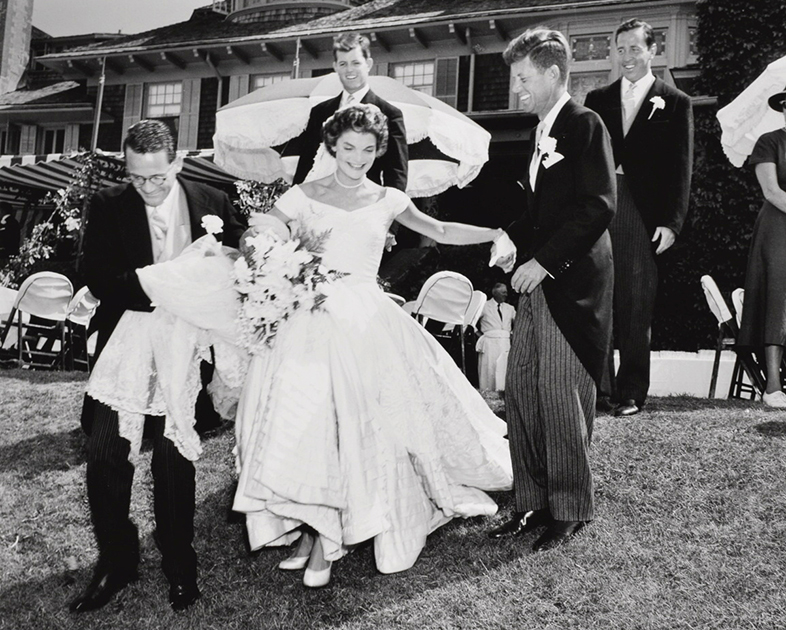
{"type": "Point", "coordinates": [157, 180]}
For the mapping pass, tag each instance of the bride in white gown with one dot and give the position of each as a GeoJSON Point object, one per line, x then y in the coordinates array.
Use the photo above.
{"type": "Point", "coordinates": [356, 424]}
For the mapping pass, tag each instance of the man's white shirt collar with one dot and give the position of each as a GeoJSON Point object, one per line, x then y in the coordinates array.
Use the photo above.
{"type": "Point", "coordinates": [643, 86]}
{"type": "Point", "coordinates": [548, 120]}
{"type": "Point", "coordinates": [356, 96]}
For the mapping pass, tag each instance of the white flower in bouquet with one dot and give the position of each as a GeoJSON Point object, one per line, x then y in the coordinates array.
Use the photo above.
{"type": "Point", "coordinates": [275, 278]}
{"type": "Point", "coordinates": [212, 224]}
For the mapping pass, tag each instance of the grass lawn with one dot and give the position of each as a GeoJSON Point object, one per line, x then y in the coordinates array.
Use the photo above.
{"type": "Point", "coordinates": [690, 533]}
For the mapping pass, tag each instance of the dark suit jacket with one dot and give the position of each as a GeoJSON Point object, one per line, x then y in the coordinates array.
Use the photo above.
{"type": "Point", "coordinates": [392, 164]}
{"type": "Point", "coordinates": [657, 153]}
{"type": "Point", "coordinates": [563, 227]}
{"type": "Point", "coordinates": [117, 242]}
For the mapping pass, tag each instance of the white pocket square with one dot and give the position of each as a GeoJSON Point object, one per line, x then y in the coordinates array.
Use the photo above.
{"type": "Point", "coordinates": [551, 159]}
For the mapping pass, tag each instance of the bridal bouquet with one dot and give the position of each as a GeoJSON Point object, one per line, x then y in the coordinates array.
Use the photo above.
{"type": "Point", "coordinates": [275, 278]}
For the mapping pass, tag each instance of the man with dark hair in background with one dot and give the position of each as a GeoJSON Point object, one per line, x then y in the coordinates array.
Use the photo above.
{"type": "Point", "coordinates": [352, 62]}
{"type": "Point", "coordinates": [651, 127]}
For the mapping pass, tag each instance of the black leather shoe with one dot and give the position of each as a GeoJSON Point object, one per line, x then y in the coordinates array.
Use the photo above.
{"type": "Point", "coordinates": [604, 405]}
{"type": "Point", "coordinates": [183, 594]}
{"type": "Point", "coordinates": [102, 588]}
{"type": "Point", "coordinates": [558, 533]}
{"type": "Point", "coordinates": [520, 523]}
{"type": "Point", "coordinates": [627, 408]}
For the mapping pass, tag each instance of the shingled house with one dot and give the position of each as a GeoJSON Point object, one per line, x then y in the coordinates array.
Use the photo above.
{"type": "Point", "coordinates": [448, 48]}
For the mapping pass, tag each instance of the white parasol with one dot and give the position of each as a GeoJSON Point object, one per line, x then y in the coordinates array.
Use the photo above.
{"type": "Point", "coordinates": [451, 147]}
{"type": "Point", "coordinates": [748, 116]}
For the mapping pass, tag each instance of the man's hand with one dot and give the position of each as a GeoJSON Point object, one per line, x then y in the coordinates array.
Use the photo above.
{"type": "Point", "coordinates": [528, 276]}
{"type": "Point", "coordinates": [666, 236]}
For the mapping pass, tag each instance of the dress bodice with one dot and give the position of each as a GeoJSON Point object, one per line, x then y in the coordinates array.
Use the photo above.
{"type": "Point", "coordinates": [356, 238]}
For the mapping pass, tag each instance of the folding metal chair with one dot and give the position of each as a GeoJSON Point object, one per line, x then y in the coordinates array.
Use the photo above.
{"type": "Point", "coordinates": [80, 312]}
{"type": "Point", "coordinates": [38, 315]}
{"type": "Point", "coordinates": [745, 364]}
{"type": "Point", "coordinates": [445, 297]}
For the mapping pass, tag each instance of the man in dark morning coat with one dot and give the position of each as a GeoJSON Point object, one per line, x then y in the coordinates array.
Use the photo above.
{"type": "Point", "coordinates": [352, 62]}
{"type": "Point", "coordinates": [651, 131]}
{"type": "Point", "coordinates": [131, 226]}
{"type": "Point", "coordinates": [565, 279]}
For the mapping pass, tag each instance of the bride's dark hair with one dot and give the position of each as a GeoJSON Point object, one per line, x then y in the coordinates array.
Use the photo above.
{"type": "Point", "coordinates": [360, 118]}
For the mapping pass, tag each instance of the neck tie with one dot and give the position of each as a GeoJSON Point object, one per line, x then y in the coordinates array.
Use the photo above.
{"type": "Point", "coordinates": [535, 163]}
{"type": "Point", "coordinates": [158, 223]}
{"type": "Point", "coordinates": [350, 100]}
{"type": "Point", "coordinates": [499, 310]}
{"type": "Point", "coordinates": [629, 107]}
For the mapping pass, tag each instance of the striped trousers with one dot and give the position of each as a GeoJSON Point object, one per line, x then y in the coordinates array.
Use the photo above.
{"type": "Point", "coordinates": [635, 289]}
{"type": "Point", "coordinates": [109, 479]}
{"type": "Point", "coordinates": [550, 410]}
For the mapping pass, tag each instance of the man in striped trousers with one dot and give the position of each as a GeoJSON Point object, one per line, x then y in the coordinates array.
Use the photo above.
{"type": "Point", "coordinates": [565, 279]}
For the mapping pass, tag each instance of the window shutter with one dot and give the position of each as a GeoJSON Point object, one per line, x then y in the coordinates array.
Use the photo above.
{"type": "Point", "coordinates": [27, 136]}
{"type": "Point", "coordinates": [189, 114]}
{"type": "Point", "coordinates": [446, 88]}
{"type": "Point", "coordinates": [380, 68]}
{"type": "Point", "coordinates": [132, 111]}
{"type": "Point", "coordinates": [238, 86]}
{"type": "Point", "coordinates": [71, 142]}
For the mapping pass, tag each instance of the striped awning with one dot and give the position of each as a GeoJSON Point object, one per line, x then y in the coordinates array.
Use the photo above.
{"type": "Point", "coordinates": [27, 178]}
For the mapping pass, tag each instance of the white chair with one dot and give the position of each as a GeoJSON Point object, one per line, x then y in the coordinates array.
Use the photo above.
{"type": "Point", "coordinates": [396, 298]}
{"type": "Point", "coordinates": [445, 297]}
{"type": "Point", "coordinates": [39, 314]}
{"type": "Point", "coordinates": [737, 299]}
{"type": "Point", "coordinates": [80, 312]}
{"type": "Point", "coordinates": [475, 310]}
{"type": "Point", "coordinates": [745, 363]}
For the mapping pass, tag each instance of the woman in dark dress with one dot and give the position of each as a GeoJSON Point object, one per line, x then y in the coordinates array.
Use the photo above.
{"type": "Point", "coordinates": [764, 314]}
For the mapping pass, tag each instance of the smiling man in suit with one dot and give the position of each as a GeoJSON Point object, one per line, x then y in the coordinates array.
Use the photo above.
{"type": "Point", "coordinates": [149, 220]}
{"type": "Point", "coordinates": [565, 281]}
{"type": "Point", "coordinates": [651, 127]}
{"type": "Point", "coordinates": [352, 62]}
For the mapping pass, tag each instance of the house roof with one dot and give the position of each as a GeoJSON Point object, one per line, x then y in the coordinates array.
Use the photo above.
{"type": "Point", "coordinates": [60, 93]}
{"type": "Point", "coordinates": [381, 14]}
{"type": "Point", "coordinates": [207, 28]}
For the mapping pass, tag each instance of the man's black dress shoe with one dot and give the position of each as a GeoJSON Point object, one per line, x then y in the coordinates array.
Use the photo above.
{"type": "Point", "coordinates": [102, 588]}
{"type": "Point", "coordinates": [182, 595]}
{"type": "Point", "coordinates": [604, 405]}
{"type": "Point", "coordinates": [520, 523]}
{"type": "Point", "coordinates": [627, 408]}
{"type": "Point", "coordinates": [558, 532]}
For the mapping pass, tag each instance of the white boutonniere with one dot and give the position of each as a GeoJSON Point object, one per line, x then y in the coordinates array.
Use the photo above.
{"type": "Point", "coordinates": [657, 103]}
{"type": "Point", "coordinates": [548, 149]}
{"type": "Point", "coordinates": [212, 224]}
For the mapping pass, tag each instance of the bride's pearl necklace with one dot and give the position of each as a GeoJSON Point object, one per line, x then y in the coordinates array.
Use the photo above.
{"type": "Point", "coordinates": [338, 181]}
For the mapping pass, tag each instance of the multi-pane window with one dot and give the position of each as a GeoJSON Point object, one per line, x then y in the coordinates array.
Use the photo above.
{"type": "Point", "coordinates": [419, 75]}
{"type": "Point", "coordinates": [164, 99]}
{"type": "Point", "coordinates": [590, 47]}
{"type": "Point", "coordinates": [263, 80]}
{"type": "Point", "coordinates": [52, 140]}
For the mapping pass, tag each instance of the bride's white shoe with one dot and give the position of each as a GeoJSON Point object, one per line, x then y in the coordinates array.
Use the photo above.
{"type": "Point", "coordinates": [293, 563]}
{"type": "Point", "coordinates": [317, 579]}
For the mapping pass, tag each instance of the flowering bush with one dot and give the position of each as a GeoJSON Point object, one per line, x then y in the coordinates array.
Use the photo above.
{"type": "Point", "coordinates": [58, 237]}
{"type": "Point", "coordinates": [275, 278]}
{"type": "Point", "coordinates": [259, 197]}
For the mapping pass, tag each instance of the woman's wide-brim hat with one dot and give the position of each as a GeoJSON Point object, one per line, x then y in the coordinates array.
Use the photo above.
{"type": "Point", "coordinates": [776, 101]}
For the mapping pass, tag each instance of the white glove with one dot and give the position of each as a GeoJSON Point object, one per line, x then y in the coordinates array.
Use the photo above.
{"type": "Point", "coordinates": [503, 252]}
